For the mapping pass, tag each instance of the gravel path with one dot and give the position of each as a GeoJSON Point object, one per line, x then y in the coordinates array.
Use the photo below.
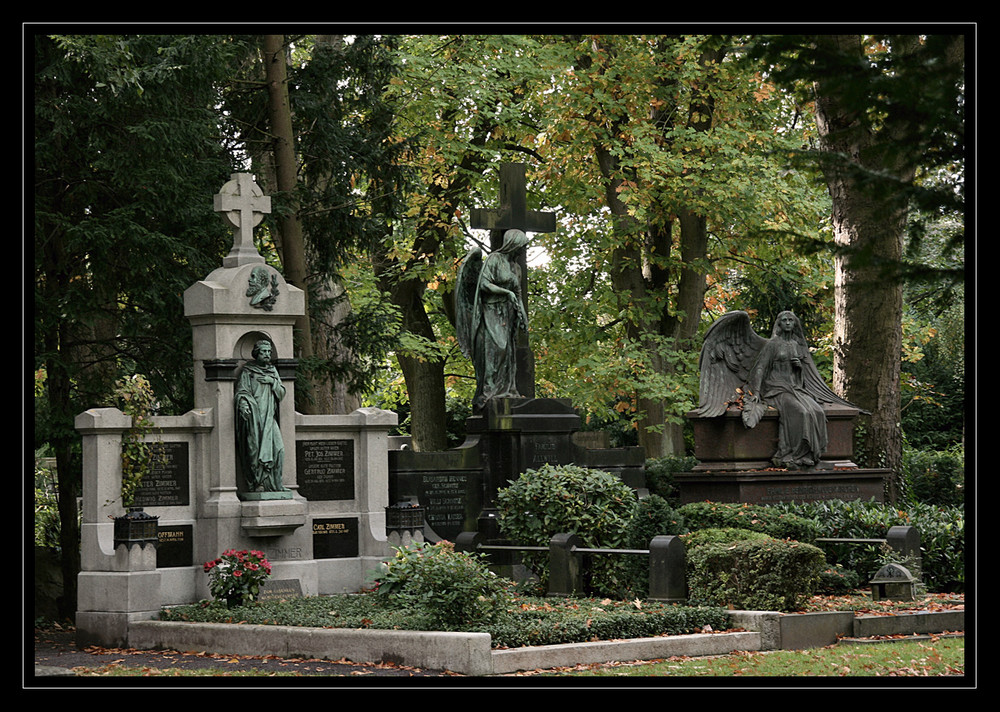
{"type": "Point", "coordinates": [56, 655]}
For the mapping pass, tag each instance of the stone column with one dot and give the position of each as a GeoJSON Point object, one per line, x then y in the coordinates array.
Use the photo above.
{"type": "Point", "coordinates": [116, 584]}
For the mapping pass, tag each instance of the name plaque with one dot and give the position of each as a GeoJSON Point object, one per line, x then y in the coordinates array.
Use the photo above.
{"type": "Point", "coordinates": [167, 482]}
{"type": "Point", "coordinates": [277, 589]}
{"type": "Point", "coordinates": [444, 499]}
{"type": "Point", "coordinates": [335, 538]}
{"type": "Point", "coordinates": [325, 469]}
{"type": "Point", "coordinates": [174, 546]}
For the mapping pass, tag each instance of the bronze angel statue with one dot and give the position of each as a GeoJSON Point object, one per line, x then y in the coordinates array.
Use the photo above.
{"type": "Point", "coordinates": [778, 372]}
{"type": "Point", "coordinates": [490, 314]}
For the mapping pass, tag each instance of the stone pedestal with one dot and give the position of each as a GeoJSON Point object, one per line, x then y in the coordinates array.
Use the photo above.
{"type": "Point", "coordinates": [457, 488]}
{"type": "Point", "coordinates": [772, 486]}
{"type": "Point", "coordinates": [107, 600]}
{"type": "Point", "coordinates": [724, 444]}
{"type": "Point", "coordinates": [734, 463]}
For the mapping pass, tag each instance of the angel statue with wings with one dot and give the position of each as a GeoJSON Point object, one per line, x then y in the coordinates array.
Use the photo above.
{"type": "Point", "coordinates": [489, 316]}
{"type": "Point", "coordinates": [778, 372]}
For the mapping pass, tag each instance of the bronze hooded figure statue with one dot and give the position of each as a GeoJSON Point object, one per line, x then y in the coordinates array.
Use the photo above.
{"type": "Point", "coordinates": [489, 315]}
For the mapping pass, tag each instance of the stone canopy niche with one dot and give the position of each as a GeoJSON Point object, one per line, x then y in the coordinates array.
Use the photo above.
{"type": "Point", "coordinates": [243, 303]}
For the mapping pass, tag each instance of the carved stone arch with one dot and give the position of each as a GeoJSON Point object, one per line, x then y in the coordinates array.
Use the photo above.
{"type": "Point", "coordinates": [243, 350]}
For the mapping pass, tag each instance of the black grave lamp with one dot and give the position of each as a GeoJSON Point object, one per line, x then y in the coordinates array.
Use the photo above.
{"type": "Point", "coordinates": [136, 527]}
{"type": "Point", "coordinates": [403, 516]}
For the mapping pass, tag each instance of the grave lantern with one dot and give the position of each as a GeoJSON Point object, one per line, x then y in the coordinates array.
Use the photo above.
{"type": "Point", "coordinates": [405, 520]}
{"type": "Point", "coordinates": [893, 582]}
{"type": "Point", "coordinates": [136, 527]}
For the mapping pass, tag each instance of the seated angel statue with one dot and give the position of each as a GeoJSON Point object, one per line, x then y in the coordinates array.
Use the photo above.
{"type": "Point", "coordinates": [778, 372]}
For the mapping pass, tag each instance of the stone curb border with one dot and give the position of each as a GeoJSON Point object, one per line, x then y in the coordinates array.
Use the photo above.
{"type": "Point", "coordinates": [471, 654]}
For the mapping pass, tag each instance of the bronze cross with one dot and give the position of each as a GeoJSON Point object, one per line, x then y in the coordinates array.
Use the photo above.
{"type": "Point", "coordinates": [513, 213]}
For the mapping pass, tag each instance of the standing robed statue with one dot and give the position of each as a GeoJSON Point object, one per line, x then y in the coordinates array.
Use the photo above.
{"type": "Point", "coordinates": [260, 449]}
{"type": "Point", "coordinates": [489, 316]}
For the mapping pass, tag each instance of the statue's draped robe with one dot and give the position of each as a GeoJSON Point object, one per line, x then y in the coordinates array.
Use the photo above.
{"type": "Point", "coordinates": [802, 434]}
{"type": "Point", "coordinates": [259, 444]}
{"type": "Point", "coordinates": [497, 319]}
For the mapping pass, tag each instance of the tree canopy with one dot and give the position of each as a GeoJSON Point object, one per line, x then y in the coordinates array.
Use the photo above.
{"type": "Point", "coordinates": [688, 171]}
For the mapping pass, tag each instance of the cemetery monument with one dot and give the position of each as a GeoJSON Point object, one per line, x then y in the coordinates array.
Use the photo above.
{"type": "Point", "coordinates": [242, 469]}
{"type": "Point", "coordinates": [511, 430]}
{"type": "Point", "coordinates": [767, 427]}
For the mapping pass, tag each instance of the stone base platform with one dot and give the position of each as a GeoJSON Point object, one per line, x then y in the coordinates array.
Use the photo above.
{"type": "Point", "coordinates": [772, 486]}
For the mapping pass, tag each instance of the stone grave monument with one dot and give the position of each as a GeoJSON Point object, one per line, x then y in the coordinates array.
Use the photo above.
{"type": "Point", "coordinates": [767, 428]}
{"type": "Point", "coordinates": [242, 470]}
{"type": "Point", "coordinates": [510, 430]}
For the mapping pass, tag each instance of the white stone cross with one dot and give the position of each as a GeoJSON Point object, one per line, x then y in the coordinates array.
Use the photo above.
{"type": "Point", "coordinates": [243, 205]}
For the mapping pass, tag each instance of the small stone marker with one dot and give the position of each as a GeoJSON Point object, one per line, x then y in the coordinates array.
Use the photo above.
{"type": "Point", "coordinates": [894, 582]}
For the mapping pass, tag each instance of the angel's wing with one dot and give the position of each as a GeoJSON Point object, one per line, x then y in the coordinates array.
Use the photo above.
{"type": "Point", "coordinates": [727, 355]}
{"type": "Point", "coordinates": [465, 299]}
{"type": "Point", "coordinates": [815, 386]}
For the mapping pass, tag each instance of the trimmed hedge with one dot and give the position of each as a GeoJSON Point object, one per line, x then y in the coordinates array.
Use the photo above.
{"type": "Point", "coordinates": [567, 499]}
{"type": "Point", "coordinates": [751, 571]}
{"type": "Point", "coordinates": [772, 521]}
{"type": "Point", "coordinates": [942, 537]}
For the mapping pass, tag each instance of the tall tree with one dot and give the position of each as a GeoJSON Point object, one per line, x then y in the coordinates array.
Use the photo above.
{"type": "Point", "coordinates": [889, 111]}
{"type": "Point", "coordinates": [127, 152]}
{"type": "Point", "coordinates": [681, 136]}
{"type": "Point", "coordinates": [461, 107]}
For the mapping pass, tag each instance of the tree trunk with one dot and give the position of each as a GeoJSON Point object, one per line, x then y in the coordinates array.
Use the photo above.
{"type": "Point", "coordinates": [293, 253]}
{"type": "Point", "coordinates": [636, 277]}
{"type": "Point", "coordinates": [424, 377]}
{"type": "Point", "coordinates": [868, 231]}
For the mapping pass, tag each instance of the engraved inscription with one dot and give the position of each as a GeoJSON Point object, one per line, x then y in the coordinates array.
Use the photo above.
{"type": "Point", "coordinates": [325, 469]}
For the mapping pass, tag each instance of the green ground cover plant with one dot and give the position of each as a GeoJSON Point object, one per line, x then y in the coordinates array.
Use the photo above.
{"type": "Point", "coordinates": [527, 621]}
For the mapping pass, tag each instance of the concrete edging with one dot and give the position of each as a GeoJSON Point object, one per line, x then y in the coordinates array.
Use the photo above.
{"type": "Point", "coordinates": [465, 653]}
{"type": "Point", "coordinates": [799, 631]}
{"type": "Point", "coordinates": [471, 653]}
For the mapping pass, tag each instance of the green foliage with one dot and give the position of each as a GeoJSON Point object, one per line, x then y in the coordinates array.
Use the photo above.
{"type": "Point", "coordinates": [836, 580]}
{"type": "Point", "coordinates": [722, 535]}
{"type": "Point", "coordinates": [753, 573]}
{"type": "Point", "coordinates": [539, 621]}
{"type": "Point", "coordinates": [772, 521]}
{"type": "Point", "coordinates": [653, 516]}
{"type": "Point", "coordinates": [942, 537]}
{"type": "Point", "coordinates": [46, 519]}
{"type": "Point", "coordinates": [453, 588]}
{"type": "Point", "coordinates": [138, 455]}
{"type": "Point", "coordinates": [660, 475]}
{"type": "Point", "coordinates": [583, 619]}
{"type": "Point", "coordinates": [934, 478]}
{"type": "Point", "coordinates": [568, 499]}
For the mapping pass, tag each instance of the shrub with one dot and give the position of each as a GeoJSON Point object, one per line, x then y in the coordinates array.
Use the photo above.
{"type": "Point", "coordinates": [781, 524]}
{"type": "Point", "coordinates": [836, 580]}
{"type": "Point", "coordinates": [942, 537]}
{"type": "Point", "coordinates": [453, 588]}
{"type": "Point", "coordinates": [754, 573]}
{"type": "Point", "coordinates": [568, 499]}
{"type": "Point", "coordinates": [660, 473]}
{"type": "Point", "coordinates": [653, 516]}
{"type": "Point", "coordinates": [935, 478]}
{"type": "Point", "coordinates": [721, 535]}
